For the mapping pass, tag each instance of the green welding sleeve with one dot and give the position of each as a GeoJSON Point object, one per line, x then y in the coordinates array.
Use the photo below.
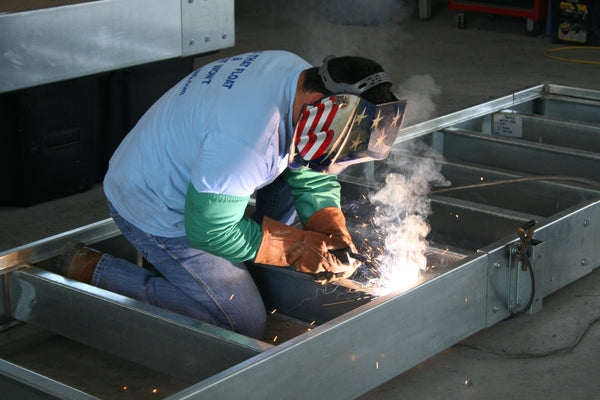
{"type": "Point", "coordinates": [215, 223]}
{"type": "Point", "coordinates": [312, 191]}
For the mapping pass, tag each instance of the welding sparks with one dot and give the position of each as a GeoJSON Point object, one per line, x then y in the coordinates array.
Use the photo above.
{"type": "Point", "coordinates": [339, 302]}
{"type": "Point", "coordinates": [399, 267]}
{"type": "Point", "coordinates": [403, 207]}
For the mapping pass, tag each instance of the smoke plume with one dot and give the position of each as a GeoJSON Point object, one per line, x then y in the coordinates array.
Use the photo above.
{"type": "Point", "coordinates": [421, 92]}
{"type": "Point", "coordinates": [402, 209]}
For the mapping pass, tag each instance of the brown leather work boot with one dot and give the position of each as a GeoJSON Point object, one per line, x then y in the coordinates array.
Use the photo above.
{"type": "Point", "coordinates": [78, 262]}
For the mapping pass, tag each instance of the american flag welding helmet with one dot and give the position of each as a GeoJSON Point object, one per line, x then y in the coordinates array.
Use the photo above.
{"type": "Point", "coordinates": [344, 129]}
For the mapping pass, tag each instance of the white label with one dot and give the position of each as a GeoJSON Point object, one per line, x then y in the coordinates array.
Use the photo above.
{"type": "Point", "coordinates": [508, 125]}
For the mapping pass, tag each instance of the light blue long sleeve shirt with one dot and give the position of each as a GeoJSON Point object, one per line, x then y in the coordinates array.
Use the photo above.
{"type": "Point", "coordinates": [226, 128]}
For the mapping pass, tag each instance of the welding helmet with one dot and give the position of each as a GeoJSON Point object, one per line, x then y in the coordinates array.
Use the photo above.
{"type": "Point", "coordinates": [344, 129]}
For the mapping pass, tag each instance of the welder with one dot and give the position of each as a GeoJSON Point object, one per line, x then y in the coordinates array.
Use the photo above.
{"type": "Point", "coordinates": [265, 124]}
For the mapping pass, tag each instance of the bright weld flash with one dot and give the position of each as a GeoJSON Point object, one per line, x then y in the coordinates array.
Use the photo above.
{"type": "Point", "coordinates": [398, 276]}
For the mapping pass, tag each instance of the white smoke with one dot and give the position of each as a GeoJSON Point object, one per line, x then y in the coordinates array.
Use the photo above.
{"type": "Point", "coordinates": [403, 206]}
{"type": "Point", "coordinates": [421, 92]}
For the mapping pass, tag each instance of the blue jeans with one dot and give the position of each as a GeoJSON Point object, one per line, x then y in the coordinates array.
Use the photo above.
{"type": "Point", "coordinates": [190, 281]}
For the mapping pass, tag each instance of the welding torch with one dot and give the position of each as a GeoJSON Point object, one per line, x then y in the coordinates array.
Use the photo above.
{"type": "Point", "coordinates": [347, 256]}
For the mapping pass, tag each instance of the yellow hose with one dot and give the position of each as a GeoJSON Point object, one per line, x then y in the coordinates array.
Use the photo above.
{"type": "Point", "coordinates": [571, 59]}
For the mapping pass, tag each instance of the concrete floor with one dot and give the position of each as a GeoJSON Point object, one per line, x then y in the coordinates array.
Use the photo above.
{"type": "Point", "coordinates": [550, 355]}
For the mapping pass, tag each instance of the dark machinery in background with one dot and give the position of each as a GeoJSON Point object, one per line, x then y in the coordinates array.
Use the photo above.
{"type": "Point", "coordinates": [57, 138]}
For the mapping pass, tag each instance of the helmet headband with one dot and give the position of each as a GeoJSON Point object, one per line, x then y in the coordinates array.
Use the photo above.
{"type": "Point", "coordinates": [355, 88]}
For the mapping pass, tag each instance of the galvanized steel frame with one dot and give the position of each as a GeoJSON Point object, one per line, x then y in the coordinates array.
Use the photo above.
{"type": "Point", "coordinates": [358, 349]}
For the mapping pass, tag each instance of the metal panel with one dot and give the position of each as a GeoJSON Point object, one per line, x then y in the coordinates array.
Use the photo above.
{"type": "Point", "coordinates": [179, 346]}
{"type": "Point", "coordinates": [51, 246]}
{"type": "Point", "coordinates": [462, 116]}
{"type": "Point", "coordinates": [58, 43]}
{"type": "Point", "coordinates": [570, 108]}
{"type": "Point", "coordinates": [363, 348]}
{"type": "Point", "coordinates": [543, 198]}
{"type": "Point", "coordinates": [206, 25]}
{"type": "Point", "coordinates": [20, 383]}
{"type": "Point", "coordinates": [470, 226]}
{"type": "Point", "coordinates": [575, 93]}
{"type": "Point", "coordinates": [513, 155]}
{"type": "Point", "coordinates": [539, 129]}
{"type": "Point", "coordinates": [297, 295]}
{"type": "Point", "coordinates": [572, 245]}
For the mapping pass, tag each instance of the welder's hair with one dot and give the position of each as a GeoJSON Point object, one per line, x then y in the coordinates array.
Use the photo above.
{"type": "Point", "coordinates": [349, 69]}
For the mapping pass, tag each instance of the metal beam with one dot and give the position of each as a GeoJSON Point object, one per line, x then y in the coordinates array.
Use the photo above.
{"type": "Point", "coordinates": [518, 155]}
{"type": "Point", "coordinates": [20, 383]}
{"type": "Point", "coordinates": [363, 348]}
{"type": "Point", "coordinates": [53, 44]}
{"type": "Point", "coordinates": [582, 109]}
{"type": "Point", "coordinates": [462, 116]}
{"type": "Point", "coordinates": [549, 130]}
{"type": "Point", "coordinates": [51, 246]}
{"type": "Point", "coordinates": [178, 346]}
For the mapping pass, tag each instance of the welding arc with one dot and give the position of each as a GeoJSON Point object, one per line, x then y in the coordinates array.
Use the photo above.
{"type": "Point", "coordinates": [585, 181]}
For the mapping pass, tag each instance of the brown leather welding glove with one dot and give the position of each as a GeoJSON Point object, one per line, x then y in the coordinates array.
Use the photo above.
{"type": "Point", "coordinates": [306, 251]}
{"type": "Point", "coordinates": [331, 221]}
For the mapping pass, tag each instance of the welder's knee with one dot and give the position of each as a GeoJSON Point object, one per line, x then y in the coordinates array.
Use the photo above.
{"type": "Point", "coordinates": [254, 324]}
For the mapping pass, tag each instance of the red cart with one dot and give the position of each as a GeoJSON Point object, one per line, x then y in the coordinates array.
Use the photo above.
{"type": "Point", "coordinates": [533, 10]}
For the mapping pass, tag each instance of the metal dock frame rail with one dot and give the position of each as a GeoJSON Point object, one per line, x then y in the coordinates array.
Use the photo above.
{"type": "Point", "coordinates": [51, 44]}
{"type": "Point", "coordinates": [364, 343]}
